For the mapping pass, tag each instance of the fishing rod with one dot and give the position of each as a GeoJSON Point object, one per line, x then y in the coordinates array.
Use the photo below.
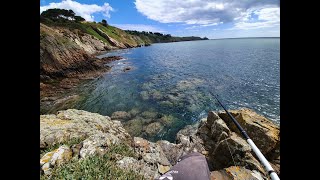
{"type": "Point", "coordinates": [255, 149]}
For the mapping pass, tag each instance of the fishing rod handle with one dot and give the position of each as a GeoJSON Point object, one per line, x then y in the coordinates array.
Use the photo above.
{"type": "Point", "coordinates": [263, 160]}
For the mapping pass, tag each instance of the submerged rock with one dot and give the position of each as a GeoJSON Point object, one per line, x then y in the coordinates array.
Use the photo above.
{"type": "Point", "coordinates": [120, 115]}
{"type": "Point", "coordinates": [167, 120]}
{"type": "Point", "coordinates": [189, 83]}
{"type": "Point", "coordinates": [134, 112]}
{"type": "Point", "coordinates": [144, 95]}
{"type": "Point", "coordinates": [153, 128]}
{"type": "Point", "coordinates": [127, 69]}
{"type": "Point", "coordinates": [149, 114]}
{"type": "Point", "coordinates": [134, 127]}
{"type": "Point", "coordinates": [111, 58]}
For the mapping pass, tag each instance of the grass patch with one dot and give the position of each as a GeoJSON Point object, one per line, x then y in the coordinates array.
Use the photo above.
{"type": "Point", "coordinates": [96, 167]}
{"type": "Point", "coordinates": [89, 28]}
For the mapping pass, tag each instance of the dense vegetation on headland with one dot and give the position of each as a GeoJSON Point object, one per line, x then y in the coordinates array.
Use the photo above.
{"type": "Point", "coordinates": [156, 37]}
{"type": "Point", "coordinates": [67, 18]}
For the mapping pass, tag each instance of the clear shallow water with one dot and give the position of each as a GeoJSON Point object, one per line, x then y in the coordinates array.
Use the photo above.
{"type": "Point", "coordinates": [177, 80]}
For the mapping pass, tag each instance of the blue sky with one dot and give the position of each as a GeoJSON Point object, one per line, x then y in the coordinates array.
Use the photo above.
{"type": "Point", "coordinates": [211, 18]}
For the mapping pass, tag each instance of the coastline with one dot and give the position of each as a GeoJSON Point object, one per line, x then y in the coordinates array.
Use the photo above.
{"type": "Point", "coordinates": [57, 91]}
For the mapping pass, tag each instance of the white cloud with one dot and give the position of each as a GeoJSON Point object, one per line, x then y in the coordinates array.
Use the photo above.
{"type": "Point", "coordinates": [213, 24]}
{"type": "Point", "coordinates": [83, 10]}
{"type": "Point", "coordinates": [138, 27]}
{"type": "Point", "coordinates": [203, 25]}
{"type": "Point", "coordinates": [266, 17]}
{"type": "Point", "coordinates": [199, 12]}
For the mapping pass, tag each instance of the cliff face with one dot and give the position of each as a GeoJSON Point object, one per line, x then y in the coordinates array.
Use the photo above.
{"type": "Point", "coordinates": [66, 52]}
{"type": "Point", "coordinates": [73, 135]}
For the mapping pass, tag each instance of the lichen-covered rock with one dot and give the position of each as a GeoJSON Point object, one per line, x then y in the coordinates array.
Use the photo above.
{"type": "Point", "coordinates": [128, 163]}
{"type": "Point", "coordinates": [236, 173]}
{"type": "Point", "coordinates": [46, 168]}
{"type": "Point", "coordinates": [46, 158]}
{"type": "Point", "coordinates": [189, 140]}
{"type": "Point", "coordinates": [98, 144]}
{"type": "Point", "coordinates": [150, 152]}
{"type": "Point", "coordinates": [171, 151]}
{"type": "Point", "coordinates": [163, 169]}
{"type": "Point", "coordinates": [77, 124]}
{"type": "Point", "coordinates": [62, 155]}
{"type": "Point", "coordinates": [233, 149]}
{"type": "Point", "coordinates": [149, 171]}
{"type": "Point", "coordinates": [55, 158]}
{"type": "Point", "coordinates": [262, 131]}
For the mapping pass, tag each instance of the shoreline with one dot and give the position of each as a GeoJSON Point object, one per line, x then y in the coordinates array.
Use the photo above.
{"type": "Point", "coordinates": [56, 91]}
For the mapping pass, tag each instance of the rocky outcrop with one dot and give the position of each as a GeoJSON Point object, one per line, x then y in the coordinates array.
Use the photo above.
{"type": "Point", "coordinates": [67, 53]}
{"type": "Point", "coordinates": [67, 57]}
{"type": "Point", "coordinates": [265, 134]}
{"type": "Point", "coordinates": [55, 158]}
{"type": "Point", "coordinates": [227, 153]}
{"type": "Point", "coordinates": [96, 133]}
{"type": "Point", "coordinates": [216, 138]}
{"type": "Point", "coordinates": [78, 124]}
{"type": "Point", "coordinates": [112, 41]}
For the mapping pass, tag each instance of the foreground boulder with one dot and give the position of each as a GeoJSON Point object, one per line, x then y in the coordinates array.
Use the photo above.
{"type": "Point", "coordinates": [95, 134]}
{"type": "Point", "coordinates": [57, 157]}
{"type": "Point", "coordinates": [262, 131]}
{"type": "Point", "coordinates": [77, 124]}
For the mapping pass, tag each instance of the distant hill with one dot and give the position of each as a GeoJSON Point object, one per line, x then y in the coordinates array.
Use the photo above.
{"type": "Point", "coordinates": [156, 37]}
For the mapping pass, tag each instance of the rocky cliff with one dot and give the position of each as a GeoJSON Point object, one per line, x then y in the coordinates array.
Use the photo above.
{"type": "Point", "coordinates": [66, 52]}
{"type": "Point", "coordinates": [67, 56]}
{"type": "Point", "coordinates": [76, 143]}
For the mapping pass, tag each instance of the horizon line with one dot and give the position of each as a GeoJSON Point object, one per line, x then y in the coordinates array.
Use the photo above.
{"type": "Point", "coordinates": [244, 38]}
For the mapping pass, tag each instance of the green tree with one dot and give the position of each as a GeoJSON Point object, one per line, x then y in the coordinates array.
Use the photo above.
{"type": "Point", "coordinates": [104, 22]}
{"type": "Point", "coordinates": [79, 18]}
{"type": "Point", "coordinates": [61, 15]}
